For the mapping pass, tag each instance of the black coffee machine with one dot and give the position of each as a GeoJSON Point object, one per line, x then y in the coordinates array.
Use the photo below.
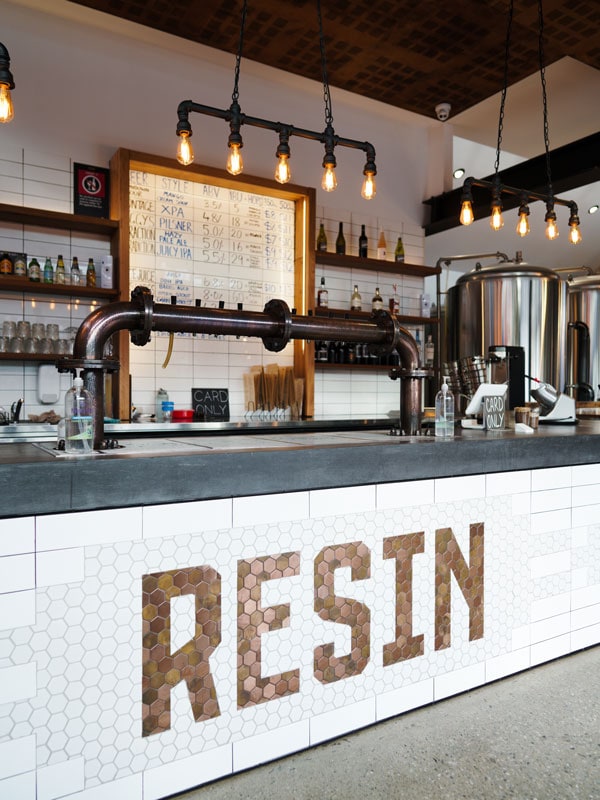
{"type": "Point", "coordinates": [507, 365]}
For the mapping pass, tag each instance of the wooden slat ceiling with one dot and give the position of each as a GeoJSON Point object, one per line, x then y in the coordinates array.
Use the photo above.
{"type": "Point", "coordinates": [407, 53]}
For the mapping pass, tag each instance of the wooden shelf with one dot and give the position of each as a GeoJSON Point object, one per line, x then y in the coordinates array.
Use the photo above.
{"type": "Point", "coordinates": [31, 357]}
{"type": "Point", "coordinates": [366, 367]}
{"type": "Point", "coordinates": [338, 313]}
{"type": "Point", "coordinates": [57, 219]}
{"type": "Point", "coordinates": [10, 283]}
{"type": "Point", "coordinates": [375, 265]}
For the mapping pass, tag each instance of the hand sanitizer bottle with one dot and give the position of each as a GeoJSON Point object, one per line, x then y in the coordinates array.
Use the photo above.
{"type": "Point", "coordinates": [444, 412]}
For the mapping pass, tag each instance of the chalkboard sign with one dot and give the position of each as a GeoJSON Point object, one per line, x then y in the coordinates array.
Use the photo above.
{"type": "Point", "coordinates": [494, 412]}
{"type": "Point", "coordinates": [211, 405]}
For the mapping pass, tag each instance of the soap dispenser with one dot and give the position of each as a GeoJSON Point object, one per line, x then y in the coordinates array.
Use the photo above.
{"type": "Point", "coordinates": [444, 412]}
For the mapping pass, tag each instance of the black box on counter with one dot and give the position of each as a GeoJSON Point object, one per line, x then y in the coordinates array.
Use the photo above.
{"type": "Point", "coordinates": [211, 405]}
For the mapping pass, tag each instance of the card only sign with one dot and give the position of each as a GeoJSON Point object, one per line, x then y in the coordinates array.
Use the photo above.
{"type": "Point", "coordinates": [211, 405]}
{"type": "Point", "coordinates": [494, 412]}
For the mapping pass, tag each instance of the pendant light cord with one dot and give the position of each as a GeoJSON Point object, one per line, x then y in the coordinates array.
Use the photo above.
{"type": "Point", "coordinates": [504, 86]}
{"type": "Point", "coordinates": [326, 92]}
{"type": "Point", "coordinates": [236, 92]}
{"type": "Point", "coordinates": [544, 98]}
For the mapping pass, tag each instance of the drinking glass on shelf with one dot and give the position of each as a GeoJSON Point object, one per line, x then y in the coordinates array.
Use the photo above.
{"type": "Point", "coordinates": [52, 331]}
{"type": "Point", "coordinates": [38, 330]}
{"type": "Point", "coordinates": [9, 328]}
{"type": "Point", "coordinates": [16, 344]}
{"type": "Point", "coordinates": [46, 346]}
{"type": "Point", "coordinates": [29, 345]}
{"type": "Point", "coordinates": [23, 328]}
{"type": "Point", "coordinates": [4, 344]}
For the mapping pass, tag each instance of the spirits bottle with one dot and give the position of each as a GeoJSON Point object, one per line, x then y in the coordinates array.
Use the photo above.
{"type": "Point", "coordinates": [48, 271]}
{"type": "Point", "coordinates": [395, 301]}
{"type": "Point", "coordinates": [323, 295]}
{"type": "Point", "coordinates": [60, 270]}
{"type": "Point", "coordinates": [429, 352]}
{"type": "Point", "coordinates": [419, 346]}
{"type": "Point", "coordinates": [340, 242]}
{"type": "Point", "coordinates": [75, 272]}
{"type": "Point", "coordinates": [381, 247]}
{"type": "Point", "coordinates": [377, 302]}
{"type": "Point", "coordinates": [90, 275]}
{"type": "Point", "coordinates": [355, 300]}
{"type": "Point", "coordinates": [363, 243]}
{"type": "Point", "coordinates": [322, 240]}
{"type": "Point", "coordinates": [399, 251]}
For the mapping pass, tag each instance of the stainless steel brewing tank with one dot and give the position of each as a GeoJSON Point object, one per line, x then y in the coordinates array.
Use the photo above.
{"type": "Point", "coordinates": [513, 305]}
{"type": "Point", "coordinates": [583, 305]}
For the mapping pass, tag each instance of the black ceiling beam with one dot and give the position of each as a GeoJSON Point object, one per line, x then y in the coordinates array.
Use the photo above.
{"type": "Point", "coordinates": [573, 165]}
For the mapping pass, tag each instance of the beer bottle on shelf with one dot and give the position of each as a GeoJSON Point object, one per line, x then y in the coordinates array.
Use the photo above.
{"type": "Point", "coordinates": [60, 270]}
{"type": "Point", "coordinates": [355, 300]}
{"type": "Point", "coordinates": [340, 242]}
{"type": "Point", "coordinates": [323, 295]}
{"type": "Point", "coordinates": [75, 272]}
{"type": "Point", "coordinates": [90, 275]}
{"type": "Point", "coordinates": [48, 271]}
{"type": "Point", "coordinates": [363, 243]}
{"type": "Point", "coordinates": [399, 251]}
{"type": "Point", "coordinates": [381, 246]}
{"type": "Point", "coordinates": [33, 271]}
{"type": "Point", "coordinates": [322, 240]}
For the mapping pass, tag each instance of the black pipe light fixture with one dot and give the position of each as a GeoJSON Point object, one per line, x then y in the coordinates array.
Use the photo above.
{"type": "Point", "coordinates": [7, 83]}
{"type": "Point", "coordinates": [525, 196]}
{"type": "Point", "coordinates": [234, 116]}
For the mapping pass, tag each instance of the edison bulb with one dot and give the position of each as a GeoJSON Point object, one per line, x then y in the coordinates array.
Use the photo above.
{"type": "Point", "coordinates": [7, 111]}
{"type": "Point", "coordinates": [329, 182]}
{"type": "Point", "coordinates": [235, 163]}
{"type": "Point", "coordinates": [369, 189]}
{"type": "Point", "coordinates": [574, 234]}
{"type": "Point", "coordinates": [282, 170]}
{"type": "Point", "coordinates": [496, 220]}
{"type": "Point", "coordinates": [523, 224]}
{"type": "Point", "coordinates": [551, 229]}
{"type": "Point", "coordinates": [466, 213]}
{"type": "Point", "coordinates": [185, 151]}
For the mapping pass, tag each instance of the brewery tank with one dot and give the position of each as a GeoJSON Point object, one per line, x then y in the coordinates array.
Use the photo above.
{"type": "Point", "coordinates": [510, 304]}
{"type": "Point", "coordinates": [583, 306]}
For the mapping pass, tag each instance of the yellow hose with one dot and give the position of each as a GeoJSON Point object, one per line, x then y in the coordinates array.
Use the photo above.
{"type": "Point", "coordinates": [169, 351]}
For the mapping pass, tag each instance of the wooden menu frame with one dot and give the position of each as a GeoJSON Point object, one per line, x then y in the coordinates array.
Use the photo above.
{"type": "Point", "coordinates": [304, 259]}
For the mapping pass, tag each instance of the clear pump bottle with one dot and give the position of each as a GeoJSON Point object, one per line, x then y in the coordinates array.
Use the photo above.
{"type": "Point", "coordinates": [444, 412]}
{"type": "Point", "coordinates": [79, 419]}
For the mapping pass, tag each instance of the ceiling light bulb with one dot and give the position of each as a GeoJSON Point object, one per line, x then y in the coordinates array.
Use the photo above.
{"type": "Point", "coordinates": [235, 163]}
{"type": "Point", "coordinates": [523, 223]}
{"type": "Point", "coordinates": [574, 234]}
{"type": "Point", "coordinates": [466, 213]}
{"type": "Point", "coordinates": [185, 151]}
{"type": "Point", "coordinates": [458, 173]}
{"type": "Point", "coordinates": [593, 209]}
{"type": "Point", "coordinates": [7, 110]}
{"type": "Point", "coordinates": [369, 189]}
{"type": "Point", "coordinates": [329, 181]}
{"type": "Point", "coordinates": [496, 220]}
{"type": "Point", "coordinates": [282, 170]}
{"type": "Point", "coordinates": [551, 229]}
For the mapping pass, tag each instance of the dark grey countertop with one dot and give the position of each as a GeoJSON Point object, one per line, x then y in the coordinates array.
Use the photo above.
{"type": "Point", "coordinates": [34, 479]}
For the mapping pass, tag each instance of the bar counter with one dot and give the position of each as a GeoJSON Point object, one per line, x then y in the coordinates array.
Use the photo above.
{"type": "Point", "coordinates": [187, 607]}
{"type": "Point", "coordinates": [158, 468]}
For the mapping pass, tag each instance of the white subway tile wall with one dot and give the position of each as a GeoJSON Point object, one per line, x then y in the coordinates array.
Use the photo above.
{"type": "Point", "coordinates": [72, 656]}
{"type": "Point", "coordinates": [44, 181]}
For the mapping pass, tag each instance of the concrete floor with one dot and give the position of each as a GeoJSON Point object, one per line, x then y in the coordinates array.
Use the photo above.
{"type": "Point", "coordinates": [533, 736]}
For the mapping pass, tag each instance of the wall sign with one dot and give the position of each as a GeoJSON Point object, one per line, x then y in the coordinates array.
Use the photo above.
{"type": "Point", "coordinates": [91, 190]}
{"type": "Point", "coordinates": [210, 405]}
